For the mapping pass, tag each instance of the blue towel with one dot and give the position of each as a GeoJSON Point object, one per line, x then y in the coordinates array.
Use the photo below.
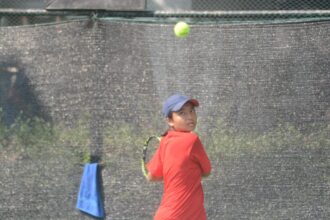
{"type": "Point", "coordinates": [89, 197]}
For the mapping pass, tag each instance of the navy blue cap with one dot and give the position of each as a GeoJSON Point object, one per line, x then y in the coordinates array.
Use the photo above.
{"type": "Point", "coordinates": [175, 102]}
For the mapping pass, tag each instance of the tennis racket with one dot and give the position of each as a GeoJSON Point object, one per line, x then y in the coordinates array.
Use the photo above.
{"type": "Point", "coordinates": [149, 148]}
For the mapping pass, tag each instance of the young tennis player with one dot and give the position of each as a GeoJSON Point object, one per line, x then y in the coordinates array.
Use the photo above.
{"type": "Point", "coordinates": [181, 162]}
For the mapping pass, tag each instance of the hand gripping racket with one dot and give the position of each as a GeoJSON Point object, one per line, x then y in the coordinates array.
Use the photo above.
{"type": "Point", "coordinates": [149, 148]}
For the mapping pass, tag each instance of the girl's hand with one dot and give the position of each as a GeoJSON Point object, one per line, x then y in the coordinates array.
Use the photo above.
{"type": "Point", "coordinates": [152, 178]}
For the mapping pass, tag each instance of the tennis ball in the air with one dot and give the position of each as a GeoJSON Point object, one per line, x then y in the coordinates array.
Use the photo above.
{"type": "Point", "coordinates": [181, 29]}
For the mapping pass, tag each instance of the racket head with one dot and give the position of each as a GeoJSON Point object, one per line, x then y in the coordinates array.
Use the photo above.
{"type": "Point", "coordinates": [149, 148]}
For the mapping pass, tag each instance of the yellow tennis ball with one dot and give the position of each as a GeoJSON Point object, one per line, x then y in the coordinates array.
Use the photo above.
{"type": "Point", "coordinates": [181, 29]}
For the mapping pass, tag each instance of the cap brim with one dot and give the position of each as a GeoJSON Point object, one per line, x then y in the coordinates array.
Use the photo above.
{"type": "Point", "coordinates": [178, 106]}
{"type": "Point", "coordinates": [194, 102]}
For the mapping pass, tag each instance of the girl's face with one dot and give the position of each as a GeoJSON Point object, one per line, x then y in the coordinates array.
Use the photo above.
{"type": "Point", "coordinates": [185, 119]}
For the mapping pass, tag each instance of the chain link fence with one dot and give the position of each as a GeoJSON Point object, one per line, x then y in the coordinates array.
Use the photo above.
{"type": "Point", "coordinates": [30, 12]}
{"type": "Point", "coordinates": [229, 5]}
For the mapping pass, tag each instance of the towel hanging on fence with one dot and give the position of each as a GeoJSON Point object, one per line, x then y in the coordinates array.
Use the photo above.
{"type": "Point", "coordinates": [89, 197]}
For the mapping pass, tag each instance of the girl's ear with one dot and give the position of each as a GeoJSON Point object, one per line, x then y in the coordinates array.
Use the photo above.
{"type": "Point", "coordinates": [169, 121]}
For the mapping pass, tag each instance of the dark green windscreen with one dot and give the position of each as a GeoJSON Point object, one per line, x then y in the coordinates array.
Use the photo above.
{"type": "Point", "coordinates": [86, 90]}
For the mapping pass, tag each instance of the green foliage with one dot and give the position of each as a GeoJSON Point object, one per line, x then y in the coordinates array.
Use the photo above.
{"type": "Point", "coordinates": [76, 137]}
{"type": "Point", "coordinates": [3, 133]}
{"type": "Point", "coordinates": [36, 138]}
{"type": "Point", "coordinates": [120, 135]}
{"type": "Point", "coordinates": [121, 139]}
{"type": "Point", "coordinates": [27, 136]}
{"type": "Point", "coordinates": [225, 141]}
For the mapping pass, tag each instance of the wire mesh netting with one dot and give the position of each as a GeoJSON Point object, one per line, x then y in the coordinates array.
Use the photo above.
{"type": "Point", "coordinates": [29, 12]}
{"type": "Point", "coordinates": [78, 89]}
{"type": "Point", "coordinates": [87, 90]}
{"type": "Point", "coordinates": [237, 5]}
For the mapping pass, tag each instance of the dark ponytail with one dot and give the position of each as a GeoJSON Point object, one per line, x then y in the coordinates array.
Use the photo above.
{"type": "Point", "coordinates": [170, 115]}
{"type": "Point", "coordinates": [164, 134]}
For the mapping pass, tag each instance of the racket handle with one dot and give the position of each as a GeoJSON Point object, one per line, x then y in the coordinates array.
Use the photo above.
{"type": "Point", "coordinates": [144, 169]}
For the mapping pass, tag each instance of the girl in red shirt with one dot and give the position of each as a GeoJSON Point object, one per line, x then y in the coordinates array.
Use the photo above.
{"type": "Point", "coordinates": [181, 162]}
